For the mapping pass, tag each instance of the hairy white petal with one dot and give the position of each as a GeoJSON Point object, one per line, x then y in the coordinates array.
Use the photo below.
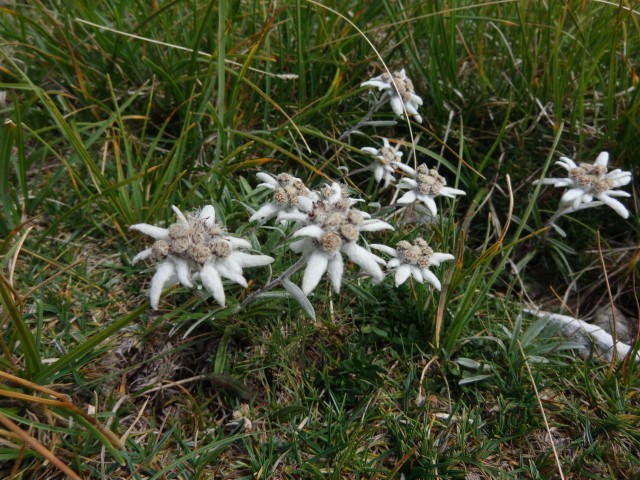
{"type": "Point", "coordinates": [388, 178]}
{"type": "Point", "coordinates": [378, 171]}
{"type": "Point", "coordinates": [407, 183]}
{"type": "Point", "coordinates": [620, 180]}
{"type": "Point", "coordinates": [374, 226]}
{"type": "Point", "coordinates": [213, 283]}
{"type": "Point", "coordinates": [376, 82]}
{"type": "Point", "coordinates": [179, 215]}
{"type": "Point", "coordinates": [158, 233]}
{"type": "Point", "coordinates": [566, 163]}
{"type": "Point", "coordinates": [430, 203]}
{"type": "Point", "coordinates": [300, 246]}
{"type": "Point", "coordinates": [268, 210]}
{"type": "Point", "coordinates": [562, 182]}
{"type": "Point", "coordinates": [602, 159]}
{"type": "Point", "coordinates": [306, 203]}
{"type": "Point", "coordinates": [431, 278]}
{"type": "Point", "coordinates": [619, 208]}
{"type": "Point", "coordinates": [164, 273]}
{"type": "Point", "coordinates": [394, 263]}
{"type": "Point", "coordinates": [437, 257]}
{"type": "Point", "coordinates": [371, 150]}
{"type": "Point", "coordinates": [313, 231]}
{"type": "Point", "coordinates": [617, 193]}
{"type": "Point", "coordinates": [238, 242]}
{"type": "Point", "coordinates": [409, 197]}
{"type": "Point", "coordinates": [265, 177]}
{"type": "Point", "coordinates": [208, 214]}
{"type": "Point", "coordinates": [416, 273]}
{"type": "Point", "coordinates": [385, 249]}
{"type": "Point", "coordinates": [451, 192]}
{"type": "Point", "coordinates": [411, 108]}
{"type": "Point", "coordinates": [292, 216]}
{"type": "Point", "coordinates": [403, 272]}
{"type": "Point", "coordinates": [397, 105]}
{"type": "Point", "coordinates": [229, 269]}
{"type": "Point", "coordinates": [405, 168]}
{"type": "Point", "coordinates": [364, 259]}
{"type": "Point", "coordinates": [143, 255]}
{"type": "Point", "coordinates": [416, 99]}
{"type": "Point", "coordinates": [316, 266]}
{"type": "Point", "coordinates": [334, 271]}
{"type": "Point", "coordinates": [247, 260]}
{"type": "Point", "coordinates": [571, 195]}
{"type": "Point", "coordinates": [183, 271]}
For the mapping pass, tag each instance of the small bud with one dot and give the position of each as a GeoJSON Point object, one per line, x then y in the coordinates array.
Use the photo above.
{"type": "Point", "coordinates": [330, 242]}
{"type": "Point", "coordinates": [220, 248]}
{"type": "Point", "coordinates": [178, 230]}
{"type": "Point", "coordinates": [179, 245]}
{"type": "Point", "coordinates": [160, 249]}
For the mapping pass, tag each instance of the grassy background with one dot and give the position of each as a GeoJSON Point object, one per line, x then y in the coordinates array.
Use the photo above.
{"type": "Point", "coordinates": [116, 110]}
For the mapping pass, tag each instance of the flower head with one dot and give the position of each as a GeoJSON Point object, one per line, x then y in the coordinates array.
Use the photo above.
{"type": "Point", "coordinates": [196, 242]}
{"type": "Point", "coordinates": [587, 181]}
{"type": "Point", "coordinates": [333, 228]}
{"type": "Point", "coordinates": [424, 185]}
{"type": "Point", "coordinates": [401, 93]}
{"type": "Point", "coordinates": [414, 260]}
{"type": "Point", "coordinates": [386, 159]}
{"type": "Point", "coordinates": [290, 198]}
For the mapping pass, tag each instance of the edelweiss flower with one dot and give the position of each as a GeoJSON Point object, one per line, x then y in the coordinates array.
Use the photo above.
{"type": "Point", "coordinates": [588, 181]}
{"type": "Point", "coordinates": [401, 93]}
{"type": "Point", "coordinates": [425, 185]}
{"type": "Point", "coordinates": [386, 158]}
{"type": "Point", "coordinates": [335, 229]}
{"type": "Point", "coordinates": [196, 242]}
{"type": "Point", "coordinates": [289, 197]}
{"type": "Point", "coordinates": [414, 260]}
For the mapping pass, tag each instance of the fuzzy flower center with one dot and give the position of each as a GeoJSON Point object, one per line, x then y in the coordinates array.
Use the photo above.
{"type": "Point", "coordinates": [288, 190]}
{"type": "Point", "coordinates": [589, 176]}
{"type": "Point", "coordinates": [417, 253]}
{"type": "Point", "coordinates": [388, 155]}
{"type": "Point", "coordinates": [330, 242]}
{"type": "Point", "coordinates": [339, 221]}
{"type": "Point", "coordinates": [402, 85]}
{"type": "Point", "coordinates": [429, 181]}
{"type": "Point", "coordinates": [196, 240]}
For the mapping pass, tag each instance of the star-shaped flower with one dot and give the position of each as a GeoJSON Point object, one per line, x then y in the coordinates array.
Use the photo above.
{"type": "Point", "coordinates": [414, 260]}
{"type": "Point", "coordinates": [401, 93]}
{"type": "Point", "coordinates": [386, 157]}
{"type": "Point", "coordinates": [424, 185]}
{"type": "Point", "coordinates": [586, 182]}
{"type": "Point", "coordinates": [334, 229]}
{"type": "Point", "coordinates": [196, 242]}
{"type": "Point", "coordinates": [290, 198]}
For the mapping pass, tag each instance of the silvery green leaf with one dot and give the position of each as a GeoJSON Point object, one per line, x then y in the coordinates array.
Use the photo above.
{"type": "Point", "coordinates": [533, 331]}
{"type": "Point", "coordinates": [468, 363]}
{"type": "Point", "coordinates": [274, 294]}
{"type": "Point", "coordinates": [474, 379]}
{"type": "Point", "coordinates": [536, 359]}
{"type": "Point", "coordinates": [380, 123]}
{"type": "Point", "coordinates": [560, 231]}
{"type": "Point", "coordinates": [299, 297]}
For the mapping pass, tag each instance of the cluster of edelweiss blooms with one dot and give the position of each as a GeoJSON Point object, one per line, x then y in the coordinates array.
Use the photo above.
{"type": "Point", "coordinates": [328, 226]}
{"type": "Point", "coordinates": [590, 186]}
